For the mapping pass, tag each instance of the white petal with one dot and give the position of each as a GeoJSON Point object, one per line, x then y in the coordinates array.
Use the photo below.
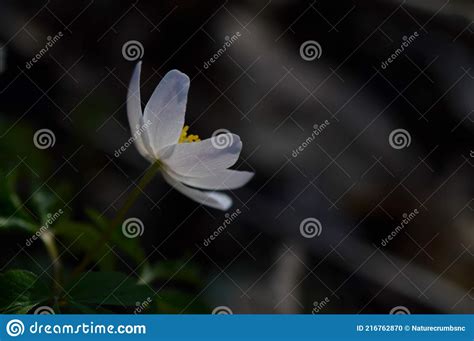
{"type": "Point", "coordinates": [135, 115]}
{"type": "Point", "coordinates": [200, 159]}
{"type": "Point", "coordinates": [220, 180]}
{"type": "Point", "coordinates": [166, 109]}
{"type": "Point", "coordinates": [212, 199]}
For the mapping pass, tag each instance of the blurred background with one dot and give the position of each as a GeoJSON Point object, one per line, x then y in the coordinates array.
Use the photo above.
{"type": "Point", "coordinates": [356, 116]}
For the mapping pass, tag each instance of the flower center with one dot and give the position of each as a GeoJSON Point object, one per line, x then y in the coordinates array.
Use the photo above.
{"type": "Point", "coordinates": [185, 138]}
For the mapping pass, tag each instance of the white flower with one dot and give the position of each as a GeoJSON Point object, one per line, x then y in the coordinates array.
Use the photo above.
{"type": "Point", "coordinates": [187, 163]}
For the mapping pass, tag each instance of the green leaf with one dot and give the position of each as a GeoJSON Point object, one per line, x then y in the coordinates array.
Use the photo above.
{"type": "Point", "coordinates": [8, 187]}
{"type": "Point", "coordinates": [17, 145]}
{"type": "Point", "coordinates": [17, 223]}
{"type": "Point", "coordinates": [9, 199]}
{"type": "Point", "coordinates": [83, 238]}
{"type": "Point", "coordinates": [131, 247]}
{"type": "Point", "coordinates": [99, 220]}
{"type": "Point", "coordinates": [109, 288]}
{"type": "Point", "coordinates": [43, 204]}
{"type": "Point", "coordinates": [16, 215]}
{"type": "Point", "coordinates": [21, 291]}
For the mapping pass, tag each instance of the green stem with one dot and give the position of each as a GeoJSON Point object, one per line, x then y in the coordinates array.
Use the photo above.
{"type": "Point", "coordinates": [107, 235]}
{"type": "Point", "coordinates": [48, 239]}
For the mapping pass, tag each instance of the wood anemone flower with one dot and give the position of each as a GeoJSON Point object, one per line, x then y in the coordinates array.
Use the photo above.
{"type": "Point", "coordinates": [193, 167]}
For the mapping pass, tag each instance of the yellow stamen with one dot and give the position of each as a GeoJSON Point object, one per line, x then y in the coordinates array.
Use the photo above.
{"type": "Point", "coordinates": [185, 138]}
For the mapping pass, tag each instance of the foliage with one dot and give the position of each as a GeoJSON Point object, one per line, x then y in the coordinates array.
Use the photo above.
{"type": "Point", "coordinates": [21, 291]}
{"type": "Point", "coordinates": [30, 210]}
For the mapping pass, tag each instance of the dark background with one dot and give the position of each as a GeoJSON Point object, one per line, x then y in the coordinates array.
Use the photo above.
{"type": "Point", "coordinates": [349, 178]}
